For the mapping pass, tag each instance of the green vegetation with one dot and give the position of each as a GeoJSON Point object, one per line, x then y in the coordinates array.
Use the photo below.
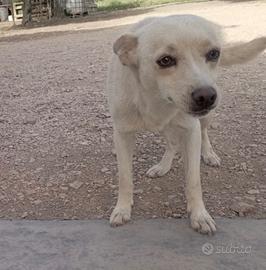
{"type": "Point", "coordinates": [126, 4]}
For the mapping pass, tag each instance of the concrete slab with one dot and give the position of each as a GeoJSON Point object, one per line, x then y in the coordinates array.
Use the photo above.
{"type": "Point", "coordinates": [142, 245]}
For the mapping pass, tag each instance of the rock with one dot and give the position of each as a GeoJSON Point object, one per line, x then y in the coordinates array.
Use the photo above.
{"type": "Point", "coordinates": [29, 121]}
{"type": "Point", "coordinates": [228, 186]}
{"type": "Point", "coordinates": [251, 198]}
{"type": "Point", "coordinates": [76, 184]}
{"type": "Point", "coordinates": [166, 204]}
{"type": "Point", "coordinates": [169, 213]}
{"type": "Point", "coordinates": [37, 202]}
{"type": "Point", "coordinates": [244, 166]}
{"type": "Point", "coordinates": [104, 170]}
{"type": "Point", "coordinates": [31, 160]}
{"type": "Point", "coordinates": [253, 191]}
{"type": "Point", "coordinates": [214, 125]}
{"type": "Point", "coordinates": [78, 173]}
{"type": "Point", "coordinates": [24, 215]}
{"type": "Point", "coordinates": [99, 182]}
{"type": "Point", "coordinates": [157, 188]}
{"type": "Point", "coordinates": [242, 208]}
{"type": "Point", "coordinates": [171, 197]}
{"type": "Point", "coordinates": [177, 215]}
{"type": "Point", "coordinates": [64, 155]}
{"type": "Point", "coordinates": [62, 195]}
{"type": "Point", "coordinates": [253, 145]}
{"type": "Point", "coordinates": [138, 191]}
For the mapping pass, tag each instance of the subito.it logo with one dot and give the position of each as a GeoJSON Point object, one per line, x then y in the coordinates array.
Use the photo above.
{"type": "Point", "coordinates": [207, 248]}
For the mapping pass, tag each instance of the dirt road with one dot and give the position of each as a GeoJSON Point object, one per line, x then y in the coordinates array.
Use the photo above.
{"type": "Point", "coordinates": [56, 133]}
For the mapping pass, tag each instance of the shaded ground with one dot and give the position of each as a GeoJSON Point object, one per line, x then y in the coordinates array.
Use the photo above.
{"type": "Point", "coordinates": [150, 245]}
{"type": "Point", "coordinates": [56, 133]}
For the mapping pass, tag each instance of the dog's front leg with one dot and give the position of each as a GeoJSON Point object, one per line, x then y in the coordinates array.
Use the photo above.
{"type": "Point", "coordinates": [124, 145]}
{"type": "Point", "coordinates": [199, 217]}
{"type": "Point", "coordinates": [208, 155]}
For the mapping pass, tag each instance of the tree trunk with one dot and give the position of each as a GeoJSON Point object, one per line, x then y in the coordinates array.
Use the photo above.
{"type": "Point", "coordinates": [26, 12]}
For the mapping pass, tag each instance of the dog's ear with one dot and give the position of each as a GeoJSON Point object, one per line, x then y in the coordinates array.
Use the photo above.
{"type": "Point", "coordinates": [243, 52]}
{"type": "Point", "coordinates": [125, 47]}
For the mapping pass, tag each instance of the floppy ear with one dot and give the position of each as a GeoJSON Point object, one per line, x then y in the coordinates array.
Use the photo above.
{"type": "Point", "coordinates": [243, 52]}
{"type": "Point", "coordinates": [125, 47]}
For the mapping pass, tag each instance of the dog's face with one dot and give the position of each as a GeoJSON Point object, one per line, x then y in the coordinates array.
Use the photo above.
{"type": "Point", "coordinates": [175, 59]}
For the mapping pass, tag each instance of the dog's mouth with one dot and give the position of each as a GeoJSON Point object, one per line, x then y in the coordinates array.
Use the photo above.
{"type": "Point", "coordinates": [202, 112]}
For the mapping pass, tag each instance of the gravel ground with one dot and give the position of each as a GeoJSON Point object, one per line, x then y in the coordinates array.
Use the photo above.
{"type": "Point", "coordinates": [56, 133]}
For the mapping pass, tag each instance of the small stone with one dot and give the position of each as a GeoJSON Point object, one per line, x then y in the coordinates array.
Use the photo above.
{"type": "Point", "coordinates": [112, 186]}
{"type": "Point", "coordinates": [138, 191]}
{"type": "Point", "coordinates": [29, 121]}
{"type": "Point", "coordinates": [228, 186]}
{"type": "Point", "coordinates": [76, 184]}
{"type": "Point", "coordinates": [177, 215]}
{"type": "Point", "coordinates": [242, 208]}
{"type": "Point", "coordinates": [244, 166]}
{"type": "Point", "coordinates": [251, 198]}
{"type": "Point", "coordinates": [253, 145]}
{"type": "Point", "coordinates": [24, 215]}
{"type": "Point", "coordinates": [99, 182]}
{"type": "Point", "coordinates": [64, 155]}
{"type": "Point", "coordinates": [214, 125]}
{"type": "Point", "coordinates": [171, 197]}
{"type": "Point", "coordinates": [169, 213]}
{"type": "Point", "coordinates": [166, 204]}
{"type": "Point", "coordinates": [62, 195]}
{"type": "Point", "coordinates": [37, 202]}
{"type": "Point", "coordinates": [31, 160]}
{"type": "Point", "coordinates": [104, 170]}
{"type": "Point", "coordinates": [157, 188]}
{"type": "Point", "coordinates": [253, 191]}
{"type": "Point", "coordinates": [78, 173]}
{"type": "Point", "coordinates": [64, 188]}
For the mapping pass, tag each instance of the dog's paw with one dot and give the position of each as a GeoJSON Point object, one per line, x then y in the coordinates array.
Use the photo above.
{"type": "Point", "coordinates": [158, 170]}
{"type": "Point", "coordinates": [120, 216]}
{"type": "Point", "coordinates": [210, 158]}
{"type": "Point", "coordinates": [202, 222]}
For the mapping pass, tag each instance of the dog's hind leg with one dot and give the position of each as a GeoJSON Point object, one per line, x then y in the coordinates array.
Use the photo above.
{"type": "Point", "coordinates": [124, 145]}
{"type": "Point", "coordinates": [165, 164]}
{"type": "Point", "coordinates": [207, 153]}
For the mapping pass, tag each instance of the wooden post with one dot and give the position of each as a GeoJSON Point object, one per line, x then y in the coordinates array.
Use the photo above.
{"type": "Point", "coordinates": [26, 12]}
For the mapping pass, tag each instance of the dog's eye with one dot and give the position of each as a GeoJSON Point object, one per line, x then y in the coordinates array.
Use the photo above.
{"type": "Point", "coordinates": [213, 55]}
{"type": "Point", "coordinates": [166, 61]}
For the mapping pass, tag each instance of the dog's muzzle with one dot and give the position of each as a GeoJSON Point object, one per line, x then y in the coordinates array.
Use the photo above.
{"type": "Point", "coordinates": [203, 100]}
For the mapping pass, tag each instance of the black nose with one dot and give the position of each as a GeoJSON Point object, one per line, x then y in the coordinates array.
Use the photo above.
{"type": "Point", "coordinates": [204, 97]}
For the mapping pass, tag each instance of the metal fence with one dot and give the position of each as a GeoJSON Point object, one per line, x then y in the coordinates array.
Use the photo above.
{"type": "Point", "coordinates": [77, 7]}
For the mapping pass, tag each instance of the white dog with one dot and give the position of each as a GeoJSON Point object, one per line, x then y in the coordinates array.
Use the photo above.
{"type": "Point", "coordinates": [162, 78]}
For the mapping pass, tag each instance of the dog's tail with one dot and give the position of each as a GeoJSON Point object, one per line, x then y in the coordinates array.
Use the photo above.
{"type": "Point", "coordinates": [243, 52]}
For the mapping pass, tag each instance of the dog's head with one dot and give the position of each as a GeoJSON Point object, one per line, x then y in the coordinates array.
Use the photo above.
{"type": "Point", "coordinates": [175, 59]}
